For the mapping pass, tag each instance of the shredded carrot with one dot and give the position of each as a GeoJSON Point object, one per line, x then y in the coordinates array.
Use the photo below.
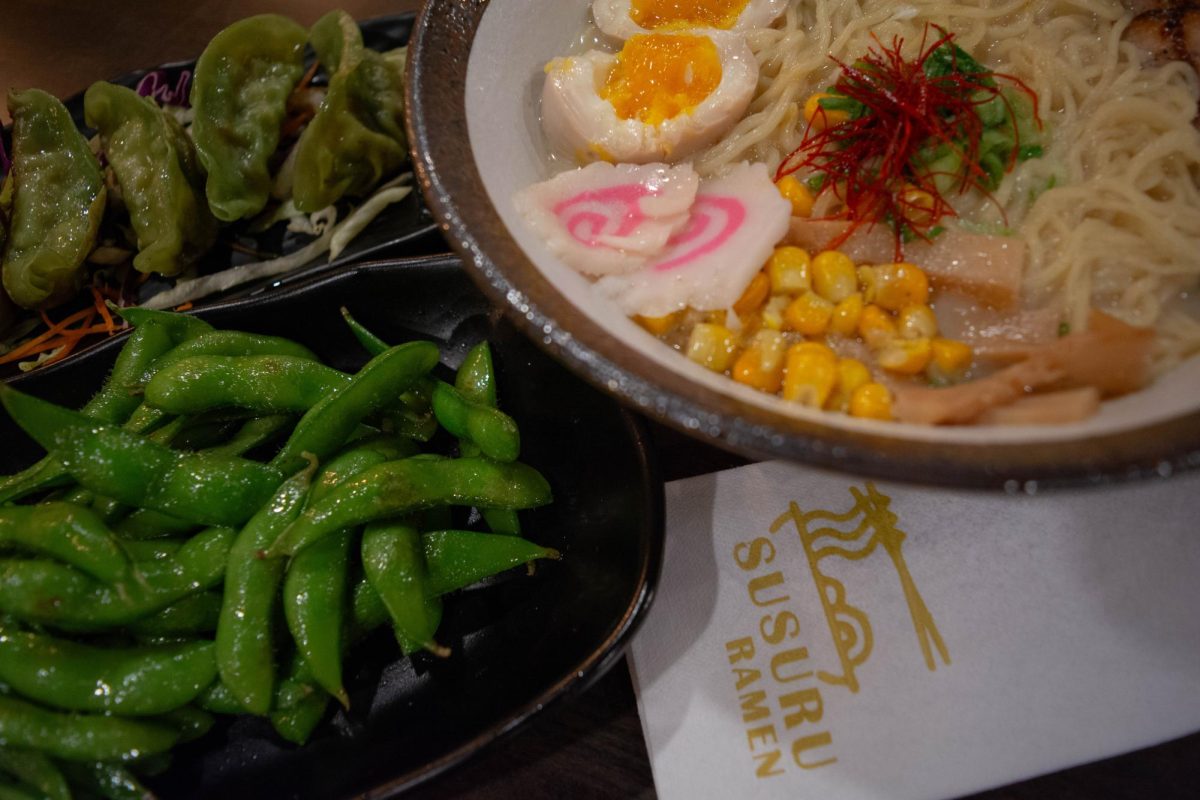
{"type": "Point", "coordinates": [308, 76]}
{"type": "Point", "coordinates": [102, 307]}
{"type": "Point", "coordinates": [60, 336]}
{"type": "Point", "coordinates": [184, 307]}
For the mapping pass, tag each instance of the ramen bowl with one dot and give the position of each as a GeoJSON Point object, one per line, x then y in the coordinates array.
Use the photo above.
{"type": "Point", "coordinates": [475, 77]}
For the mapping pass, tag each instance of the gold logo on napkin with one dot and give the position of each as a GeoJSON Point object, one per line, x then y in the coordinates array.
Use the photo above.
{"type": "Point", "coordinates": [775, 664]}
{"type": "Point", "coordinates": [874, 527]}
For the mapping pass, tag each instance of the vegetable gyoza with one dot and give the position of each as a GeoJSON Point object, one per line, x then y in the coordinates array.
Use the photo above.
{"type": "Point", "coordinates": [357, 136]}
{"type": "Point", "coordinates": [150, 192]}
{"type": "Point", "coordinates": [57, 202]}
{"type": "Point", "coordinates": [240, 94]}
{"type": "Point", "coordinates": [161, 181]}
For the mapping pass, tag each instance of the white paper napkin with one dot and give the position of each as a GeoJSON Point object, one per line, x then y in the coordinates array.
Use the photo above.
{"type": "Point", "coordinates": [821, 636]}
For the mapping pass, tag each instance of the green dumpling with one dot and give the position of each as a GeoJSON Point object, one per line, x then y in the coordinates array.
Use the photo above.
{"type": "Point", "coordinates": [239, 94]}
{"type": "Point", "coordinates": [357, 136]}
{"type": "Point", "coordinates": [57, 202]}
{"type": "Point", "coordinates": [161, 180]}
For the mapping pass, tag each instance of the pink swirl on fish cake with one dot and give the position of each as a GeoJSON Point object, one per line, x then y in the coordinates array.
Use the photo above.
{"type": "Point", "coordinates": [714, 220]}
{"type": "Point", "coordinates": [590, 215]}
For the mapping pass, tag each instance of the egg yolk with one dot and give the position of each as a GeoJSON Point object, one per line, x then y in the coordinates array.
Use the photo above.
{"type": "Point", "coordinates": [659, 76]}
{"type": "Point", "coordinates": [660, 14]}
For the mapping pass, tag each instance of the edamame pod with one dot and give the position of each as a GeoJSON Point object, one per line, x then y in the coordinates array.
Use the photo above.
{"type": "Point", "coordinates": [476, 381]}
{"type": "Point", "coordinates": [328, 424]}
{"type": "Point", "coordinates": [133, 681]}
{"type": "Point", "coordinates": [81, 737]}
{"type": "Point", "coordinates": [398, 488]}
{"type": "Point", "coordinates": [245, 652]}
{"type": "Point", "coordinates": [205, 489]}
{"type": "Point", "coordinates": [489, 429]}
{"type": "Point", "coordinates": [53, 594]}
{"type": "Point", "coordinates": [35, 770]}
{"type": "Point", "coordinates": [394, 563]}
{"type": "Point", "coordinates": [70, 533]}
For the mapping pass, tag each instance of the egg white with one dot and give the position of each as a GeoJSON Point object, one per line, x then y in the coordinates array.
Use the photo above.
{"type": "Point", "coordinates": [613, 16]}
{"type": "Point", "coordinates": [584, 127]}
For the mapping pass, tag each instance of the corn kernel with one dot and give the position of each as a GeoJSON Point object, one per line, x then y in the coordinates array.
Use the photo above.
{"type": "Point", "coordinates": [851, 374]}
{"type": "Point", "coordinates": [809, 374]}
{"type": "Point", "coordinates": [754, 296]}
{"type": "Point", "coordinates": [788, 269]}
{"type": "Point", "coordinates": [772, 314]}
{"type": "Point", "coordinates": [833, 276]}
{"type": "Point", "coordinates": [822, 118]}
{"type": "Point", "coordinates": [659, 325]}
{"type": "Point", "coordinates": [876, 326]}
{"type": "Point", "coordinates": [949, 361]}
{"type": "Point", "coordinates": [871, 401]}
{"type": "Point", "coordinates": [797, 194]}
{"type": "Point", "coordinates": [846, 314]}
{"type": "Point", "coordinates": [809, 313]}
{"type": "Point", "coordinates": [761, 364]}
{"type": "Point", "coordinates": [918, 205]}
{"type": "Point", "coordinates": [894, 286]}
{"type": "Point", "coordinates": [916, 322]}
{"type": "Point", "coordinates": [906, 356]}
{"type": "Point", "coordinates": [712, 346]}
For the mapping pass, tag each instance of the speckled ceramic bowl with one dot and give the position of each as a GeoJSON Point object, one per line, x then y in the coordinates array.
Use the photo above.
{"type": "Point", "coordinates": [475, 71]}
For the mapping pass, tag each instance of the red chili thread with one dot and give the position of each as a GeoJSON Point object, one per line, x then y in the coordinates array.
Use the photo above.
{"type": "Point", "coordinates": [867, 162]}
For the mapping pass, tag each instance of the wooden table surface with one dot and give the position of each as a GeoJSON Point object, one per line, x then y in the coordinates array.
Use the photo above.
{"type": "Point", "coordinates": [588, 747]}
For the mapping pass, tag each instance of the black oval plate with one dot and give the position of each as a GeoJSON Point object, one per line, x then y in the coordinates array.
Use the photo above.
{"type": "Point", "coordinates": [519, 643]}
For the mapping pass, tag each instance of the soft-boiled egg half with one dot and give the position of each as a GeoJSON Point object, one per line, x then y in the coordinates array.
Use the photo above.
{"type": "Point", "coordinates": [625, 18]}
{"type": "Point", "coordinates": [663, 97]}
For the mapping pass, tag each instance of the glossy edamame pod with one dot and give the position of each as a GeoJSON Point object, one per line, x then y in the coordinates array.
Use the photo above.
{"type": "Point", "coordinates": [458, 559]}
{"type": "Point", "coordinates": [476, 381]}
{"type": "Point", "coordinates": [53, 594]}
{"type": "Point", "coordinates": [118, 397]}
{"type": "Point", "coordinates": [239, 93]}
{"type": "Point", "coordinates": [314, 588]}
{"type": "Point", "coordinates": [70, 533]}
{"type": "Point", "coordinates": [299, 703]}
{"type": "Point", "coordinates": [261, 384]}
{"type": "Point", "coordinates": [162, 183]}
{"type": "Point", "coordinates": [137, 472]}
{"type": "Point", "coordinates": [191, 722]}
{"type": "Point", "coordinates": [81, 737]}
{"type": "Point", "coordinates": [314, 599]}
{"type": "Point", "coordinates": [36, 771]}
{"type": "Point", "coordinates": [183, 327]}
{"type": "Point", "coordinates": [57, 204]}
{"type": "Point", "coordinates": [455, 560]}
{"type": "Point", "coordinates": [489, 429]}
{"type": "Point", "coordinates": [107, 780]}
{"type": "Point", "coordinates": [194, 615]}
{"type": "Point", "coordinates": [357, 136]}
{"type": "Point", "coordinates": [113, 404]}
{"type": "Point", "coordinates": [254, 433]}
{"type": "Point", "coordinates": [245, 652]}
{"type": "Point", "coordinates": [394, 563]}
{"type": "Point", "coordinates": [133, 681]}
{"type": "Point", "coordinates": [398, 488]}
{"type": "Point", "coordinates": [328, 424]}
